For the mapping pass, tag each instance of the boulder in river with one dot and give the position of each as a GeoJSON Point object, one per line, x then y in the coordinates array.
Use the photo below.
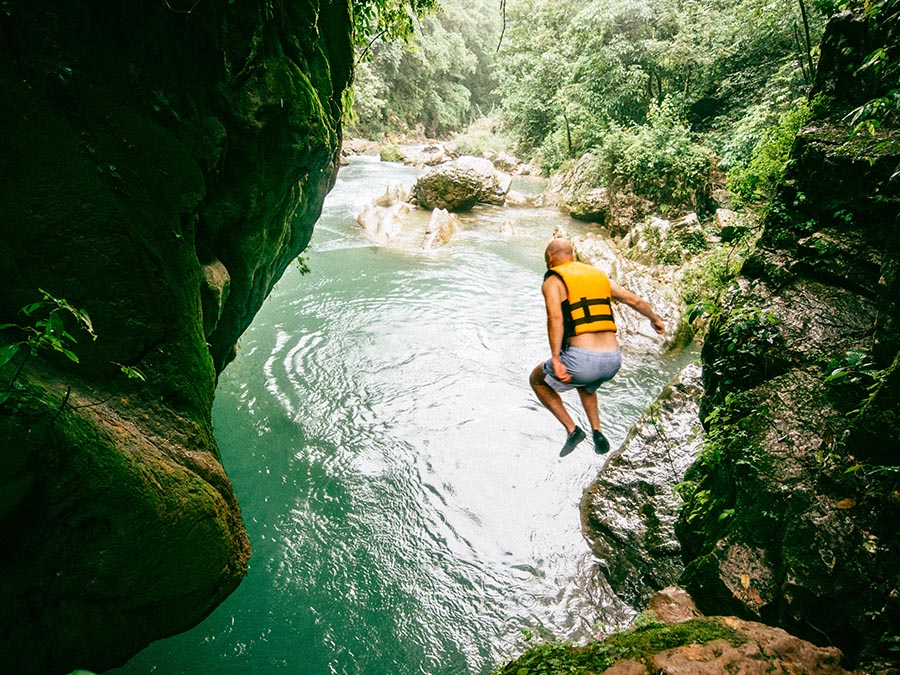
{"type": "Point", "coordinates": [516, 198]}
{"type": "Point", "coordinates": [441, 228]}
{"type": "Point", "coordinates": [383, 223]}
{"type": "Point", "coordinates": [503, 161]}
{"type": "Point", "coordinates": [460, 184]}
{"type": "Point", "coordinates": [429, 154]}
{"type": "Point", "coordinates": [395, 192]}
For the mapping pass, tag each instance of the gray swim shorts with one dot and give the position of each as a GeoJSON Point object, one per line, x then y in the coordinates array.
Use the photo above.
{"type": "Point", "coordinates": [588, 369]}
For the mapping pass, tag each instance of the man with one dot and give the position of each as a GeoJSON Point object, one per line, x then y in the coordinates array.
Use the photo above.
{"type": "Point", "coordinates": [584, 352]}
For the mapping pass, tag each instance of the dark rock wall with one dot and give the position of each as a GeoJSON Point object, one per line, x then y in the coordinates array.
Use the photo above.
{"type": "Point", "coordinates": [791, 512]}
{"type": "Point", "coordinates": [161, 164]}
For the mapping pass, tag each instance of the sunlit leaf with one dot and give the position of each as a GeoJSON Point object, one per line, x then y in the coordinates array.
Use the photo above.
{"type": "Point", "coordinates": [8, 353]}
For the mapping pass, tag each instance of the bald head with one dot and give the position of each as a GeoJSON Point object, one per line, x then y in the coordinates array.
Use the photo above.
{"type": "Point", "coordinates": [558, 251]}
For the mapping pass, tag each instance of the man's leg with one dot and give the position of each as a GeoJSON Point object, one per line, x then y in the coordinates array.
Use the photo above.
{"type": "Point", "coordinates": [553, 402]}
{"type": "Point", "coordinates": [550, 398]}
{"type": "Point", "coordinates": [589, 402]}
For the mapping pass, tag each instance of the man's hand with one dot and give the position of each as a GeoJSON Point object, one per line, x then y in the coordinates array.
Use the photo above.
{"type": "Point", "coordinates": [658, 325]}
{"type": "Point", "coordinates": [560, 372]}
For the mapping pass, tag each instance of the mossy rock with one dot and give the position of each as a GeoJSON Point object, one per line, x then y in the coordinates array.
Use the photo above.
{"type": "Point", "coordinates": [706, 644]}
{"type": "Point", "coordinates": [144, 147]}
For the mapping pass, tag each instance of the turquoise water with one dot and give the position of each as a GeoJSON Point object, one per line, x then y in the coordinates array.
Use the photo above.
{"type": "Point", "coordinates": [400, 484]}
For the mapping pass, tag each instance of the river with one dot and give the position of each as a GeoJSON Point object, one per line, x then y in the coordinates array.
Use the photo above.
{"type": "Point", "coordinates": [400, 483]}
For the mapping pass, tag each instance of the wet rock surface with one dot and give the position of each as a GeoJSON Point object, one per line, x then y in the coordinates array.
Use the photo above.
{"type": "Point", "coordinates": [461, 184]}
{"type": "Point", "coordinates": [673, 638]}
{"type": "Point", "coordinates": [628, 513]}
{"type": "Point", "coordinates": [161, 169]}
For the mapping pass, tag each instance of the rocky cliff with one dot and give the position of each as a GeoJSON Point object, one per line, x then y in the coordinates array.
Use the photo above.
{"type": "Point", "coordinates": [791, 510]}
{"type": "Point", "coordinates": [160, 165]}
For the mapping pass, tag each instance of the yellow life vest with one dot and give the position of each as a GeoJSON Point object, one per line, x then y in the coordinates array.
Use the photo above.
{"type": "Point", "coordinates": [588, 307]}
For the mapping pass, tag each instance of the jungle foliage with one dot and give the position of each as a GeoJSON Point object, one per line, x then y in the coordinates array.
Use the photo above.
{"type": "Point", "coordinates": [572, 73]}
{"type": "Point", "coordinates": [671, 94]}
{"type": "Point", "coordinates": [439, 78]}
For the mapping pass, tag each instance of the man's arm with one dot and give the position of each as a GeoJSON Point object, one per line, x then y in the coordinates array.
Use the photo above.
{"type": "Point", "coordinates": [553, 290]}
{"type": "Point", "coordinates": [638, 304]}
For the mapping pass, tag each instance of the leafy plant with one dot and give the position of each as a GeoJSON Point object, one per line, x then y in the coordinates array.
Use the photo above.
{"type": "Point", "coordinates": [705, 281]}
{"type": "Point", "coordinates": [855, 366]}
{"type": "Point", "coordinates": [660, 160]}
{"type": "Point", "coordinates": [756, 179]}
{"type": "Point", "coordinates": [302, 263]}
{"type": "Point", "coordinates": [746, 349]}
{"type": "Point", "coordinates": [387, 19]}
{"type": "Point", "coordinates": [46, 334]}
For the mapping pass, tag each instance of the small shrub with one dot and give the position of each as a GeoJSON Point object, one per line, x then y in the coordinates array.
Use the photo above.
{"type": "Point", "coordinates": [704, 281]}
{"type": "Point", "coordinates": [744, 348]}
{"type": "Point", "coordinates": [756, 179]}
{"type": "Point", "coordinates": [391, 153]}
{"type": "Point", "coordinates": [480, 138]}
{"type": "Point", "coordinates": [660, 161]}
{"type": "Point", "coordinates": [45, 334]}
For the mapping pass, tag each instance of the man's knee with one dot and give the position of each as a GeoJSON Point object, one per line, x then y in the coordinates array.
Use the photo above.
{"type": "Point", "coordinates": [536, 379]}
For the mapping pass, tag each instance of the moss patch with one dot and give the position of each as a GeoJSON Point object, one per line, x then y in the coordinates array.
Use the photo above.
{"type": "Point", "coordinates": [639, 644]}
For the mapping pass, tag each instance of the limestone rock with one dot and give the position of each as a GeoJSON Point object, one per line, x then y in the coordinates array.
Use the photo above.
{"type": "Point", "coordinates": [766, 650]}
{"type": "Point", "coordinates": [503, 161]}
{"type": "Point", "coordinates": [576, 193]}
{"type": "Point", "coordinates": [628, 513]}
{"type": "Point", "coordinates": [516, 198]}
{"type": "Point", "coordinates": [383, 223]}
{"type": "Point", "coordinates": [430, 154]}
{"type": "Point", "coordinates": [395, 193]}
{"type": "Point", "coordinates": [359, 146]}
{"type": "Point", "coordinates": [730, 224]}
{"type": "Point", "coordinates": [592, 206]}
{"type": "Point", "coordinates": [672, 604]}
{"type": "Point", "coordinates": [441, 228]}
{"type": "Point", "coordinates": [460, 184]}
{"type": "Point", "coordinates": [688, 645]}
{"type": "Point", "coordinates": [787, 516]}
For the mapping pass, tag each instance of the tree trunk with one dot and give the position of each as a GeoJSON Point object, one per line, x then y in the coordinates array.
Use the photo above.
{"type": "Point", "coordinates": [809, 61]}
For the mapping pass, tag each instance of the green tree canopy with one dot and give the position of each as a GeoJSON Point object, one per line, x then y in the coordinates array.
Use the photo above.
{"type": "Point", "coordinates": [441, 77]}
{"type": "Point", "coordinates": [570, 71]}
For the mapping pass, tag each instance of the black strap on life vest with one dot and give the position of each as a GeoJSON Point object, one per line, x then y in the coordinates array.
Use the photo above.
{"type": "Point", "coordinates": [585, 304]}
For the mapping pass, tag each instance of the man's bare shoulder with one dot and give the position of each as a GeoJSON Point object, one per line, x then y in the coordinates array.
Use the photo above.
{"type": "Point", "coordinates": [553, 285]}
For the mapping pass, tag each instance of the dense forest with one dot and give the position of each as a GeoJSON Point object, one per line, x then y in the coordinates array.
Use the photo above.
{"type": "Point", "coordinates": [661, 92]}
